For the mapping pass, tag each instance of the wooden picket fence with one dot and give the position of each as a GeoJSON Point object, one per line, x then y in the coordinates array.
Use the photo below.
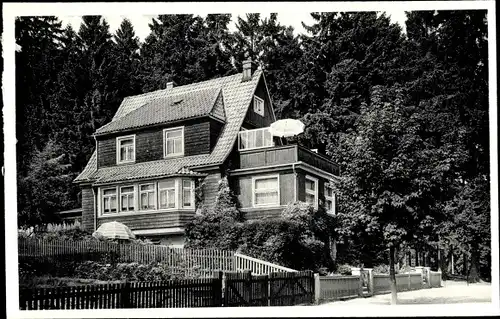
{"type": "Point", "coordinates": [338, 287]}
{"type": "Point", "coordinates": [202, 292]}
{"type": "Point", "coordinates": [257, 266]}
{"type": "Point", "coordinates": [229, 290]}
{"type": "Point", "coordinates": [204, 261]}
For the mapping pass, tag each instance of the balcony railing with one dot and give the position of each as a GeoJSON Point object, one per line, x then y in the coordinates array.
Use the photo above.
{"type": "Point", "coordinates": [268, 156]}
{"type": "Point", "coordinates": [253, 139]}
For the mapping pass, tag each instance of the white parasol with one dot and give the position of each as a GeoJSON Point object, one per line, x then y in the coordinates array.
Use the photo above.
{"type": "Point", "coordinates": [286, 128]}
{"type": "Point", "coordinates": [114, 230]}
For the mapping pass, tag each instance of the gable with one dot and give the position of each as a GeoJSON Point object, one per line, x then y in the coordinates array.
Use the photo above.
{"type": "Point", "coordinates": [255, 120]}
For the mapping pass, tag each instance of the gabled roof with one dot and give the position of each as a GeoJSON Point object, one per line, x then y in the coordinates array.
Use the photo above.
{"type": "Point", "coordinates": [237, 96]}
{"type": "Point", "coordinates": [180, 106]}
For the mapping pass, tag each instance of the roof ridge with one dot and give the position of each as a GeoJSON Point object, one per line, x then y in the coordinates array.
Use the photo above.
{"type": "Point", "coordinates": [182, 86]}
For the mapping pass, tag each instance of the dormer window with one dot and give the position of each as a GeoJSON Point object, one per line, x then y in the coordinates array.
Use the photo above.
{"type": "Point", "coordinates": [125, 149]}
{"type": "Point", "coordinates": [173, 142]}
{"type": "Point", "coordinates": [258, 105]}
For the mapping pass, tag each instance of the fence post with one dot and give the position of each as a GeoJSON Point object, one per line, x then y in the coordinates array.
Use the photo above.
{"type": "Point", "coordinates": [360, 284]}
{"type": "Point", "coordinates": [247, 290]}
{"type": "Point", "coordinates": [428, 276]}
{"type": "Point", "coordinates": [219, 291]}
{"type": "Point", "coordinates": [371, 288]}
{"type": "Point", "coordinates": [317, 288]}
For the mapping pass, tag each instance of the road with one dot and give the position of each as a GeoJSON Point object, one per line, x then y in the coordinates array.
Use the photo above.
{"type": "Point", "coordinates": [451, 293]}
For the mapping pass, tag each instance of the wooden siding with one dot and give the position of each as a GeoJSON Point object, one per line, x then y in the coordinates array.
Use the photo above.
{"type": "Point", "coordinates": [257, 120]}
{"type": "Point", "coordinates": [106, 152]}
{"type": "Point", "coordinates": [149, 145]}
{"type": "Point", "coordinates": [268, 156]}
{"type": "Point", "coordinates": [199, 137]}
{"type": "Point", "coordinates": [285, 155]}
{"type": "Point", "coordinates": [215, 130]}
{"type": "Point", "coordinates": [242, 186]}
{"type": "Point", "coordinates": [87, 209]}
{"type": "Point", "coordinates": [152, 220]}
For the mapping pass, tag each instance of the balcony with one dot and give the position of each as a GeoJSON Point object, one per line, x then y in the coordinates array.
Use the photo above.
{"type": "Point", "coordinates": [288, 154]}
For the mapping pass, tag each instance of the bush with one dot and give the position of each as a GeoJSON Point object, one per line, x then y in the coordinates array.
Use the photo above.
{"type": "Point", "coordinates": [285, 242]}
{"type": "Point", "coordinates": [344, 270]}
{"type": "Point", "coordinates": [218, 226]}
{"type": "Point", "coordinates": [127, 271]}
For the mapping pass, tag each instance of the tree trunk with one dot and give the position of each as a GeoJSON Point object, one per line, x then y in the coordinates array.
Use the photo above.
{"type": "Point", "coordinates": [473, 276]}
{"type": "Point", "coordinates": [466, 272]}
{"type": "Point", "coordinates": [416, 258]}
{"type": "Point", "coordinates": [392, 276]}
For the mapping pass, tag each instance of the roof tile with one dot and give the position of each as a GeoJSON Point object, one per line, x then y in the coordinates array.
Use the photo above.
{"type": "Point", "coordinates": [166, 109]}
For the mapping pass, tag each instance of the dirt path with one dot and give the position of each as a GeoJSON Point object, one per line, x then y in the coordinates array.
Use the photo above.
{"type": "Point", "coordinates": [451, 292]}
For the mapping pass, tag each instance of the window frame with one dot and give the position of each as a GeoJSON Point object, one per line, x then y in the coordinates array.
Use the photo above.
{"type": "Point", "coordinates": [261, 100]}
{"type": "Point", "coordinates": [176, 194]}
{"type": "Point", "coordinates": [332, 199]}
{"type": "Point", "coordinates": [102, 200]}
{"type": "Point", "coordinates": [191, 188]}
{"type": "Point", "coordinates": [256, 178]}
{"type": "Point", "coordinates": [314, 193]}
{"type": "Point", "coordinates": [165, 131]}
{"type": "Point", "coordinates": [155, 196]}
{"type": "Point", "coordinates": [133, 192]}
{"type": "Point", "coordinates": [119, 140]}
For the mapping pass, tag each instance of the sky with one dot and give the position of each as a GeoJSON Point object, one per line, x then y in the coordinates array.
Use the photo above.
{"type": "Point", "coordinates": [140, 21]}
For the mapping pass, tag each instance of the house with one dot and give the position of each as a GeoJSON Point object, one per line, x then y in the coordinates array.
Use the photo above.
{"type": "Point", "coordinates": [161, 146]}
{"type": "Point", "coordinates": [70, 216]}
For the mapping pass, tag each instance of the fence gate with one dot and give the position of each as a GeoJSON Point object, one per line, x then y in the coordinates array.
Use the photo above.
{"type": "Point", "coordinates": [244, 290]}
{"type": "Point", "coordinates": [292, 288]}
{"type": "Point", "coordinates": [365, 281]}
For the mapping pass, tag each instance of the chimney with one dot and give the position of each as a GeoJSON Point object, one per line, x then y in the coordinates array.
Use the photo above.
{"type": "Point", "coordinates": [248, 68]}
{"type": "Point", "coordinates": [170, 85]}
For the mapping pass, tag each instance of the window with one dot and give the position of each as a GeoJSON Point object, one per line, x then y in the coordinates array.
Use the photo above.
{"type": "Point", "coordinates": [109, 200]}
{"type": "Point", "coordinates": [127, 199]}
{"type": "Point", "coordinates": [258, 105]}
{"type": "Point", "coordinates": [147, 196]}
{"type": "Point", "coordinates": [312, 191]}
{"type": "Point", "coordinates": [166, 189]}
{"type": "Point", "coordinates": [173, 142]}
{"type": "Point", "coordinates": [329, 200]}
{"type": "Point", "coordinates": [125, 149]}
{"type": "Point", "coordinates": [187, 193]}
{"type": "Point", "coordinates": [169, 194]}
{"type": "Point", "coordinates": [266, 191]}
{"type": "Point", "coordinates": [257, 138]}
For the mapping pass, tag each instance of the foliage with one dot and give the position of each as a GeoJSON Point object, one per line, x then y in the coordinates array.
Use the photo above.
{"type": "Point", "coordinates": [45, 186]}
{"type": "Point", "coordinates": [344, 270]}
{"type": "Point", "coordinates": [217, 226]}
{"type": "Point", "coordinates": [124, 271]}
{"type": "Point", "coordinates": [381, 269]}
{"type": "Point", "coordinates": [298, 239]}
